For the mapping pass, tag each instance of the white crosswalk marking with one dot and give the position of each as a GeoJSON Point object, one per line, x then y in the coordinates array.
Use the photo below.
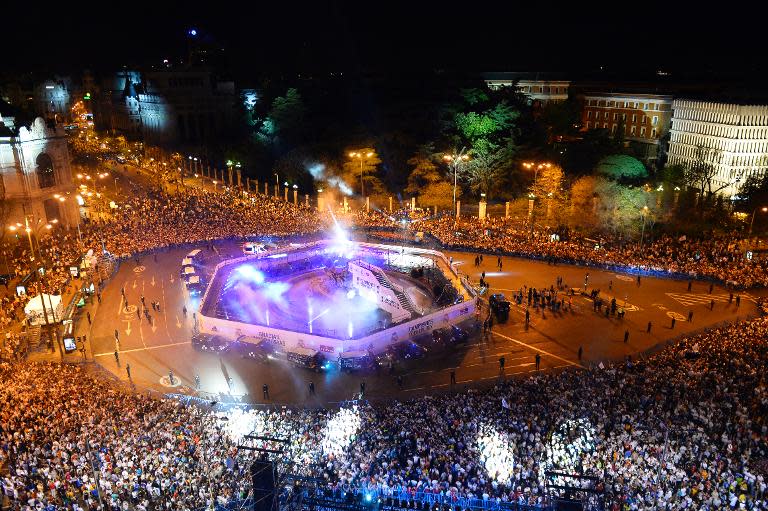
{"type": "Point", "coordinates": [697, 299]}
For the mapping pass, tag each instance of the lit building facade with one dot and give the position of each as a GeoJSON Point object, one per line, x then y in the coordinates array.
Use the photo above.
{"type": "Point", "coordinates": [53, 99]}
{"type": "Point", "coordinates": [733, 138]}
{"type": "Point", "coordinates": [538, 87]}
{"type": "Point", "coordinates": [167, 108]}
{"type": "Point", "coordinates": [645, 119]}
{"type": "Point", "coordinates": [36, 184]}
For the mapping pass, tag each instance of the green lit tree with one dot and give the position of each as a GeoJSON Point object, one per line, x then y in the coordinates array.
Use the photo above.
{"type": "Point", "coordinates": [622, 168]}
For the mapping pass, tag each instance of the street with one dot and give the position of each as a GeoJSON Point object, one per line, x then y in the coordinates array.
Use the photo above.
{"type": "Point", "coordinates": [153, 349]}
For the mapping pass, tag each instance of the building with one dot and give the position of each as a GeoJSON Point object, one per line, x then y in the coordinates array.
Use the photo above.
{"type": "Point", "coordinates": [53, 99]}
{"type": "Point", "coordinates": [541, 88]}
{"type": "Point", "coordinates": [36, 185]}
{"type": "Point", "coordinates": [644, 118]}
{"type": "Point", "coordinates": [168, 107]}
{"type": "Point", "coordinates": [733, 138]}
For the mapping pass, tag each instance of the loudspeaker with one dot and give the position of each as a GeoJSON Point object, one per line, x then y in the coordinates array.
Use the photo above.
{"type": "Point", "coordinates": [263, 478]}
{"type": "Point", "coordinates": [568, 505]}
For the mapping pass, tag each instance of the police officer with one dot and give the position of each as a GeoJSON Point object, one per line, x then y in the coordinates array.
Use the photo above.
{"type": "Point", "coordinates": [311, 388]}
{"type": "Point", "coordinates": [265, 391]}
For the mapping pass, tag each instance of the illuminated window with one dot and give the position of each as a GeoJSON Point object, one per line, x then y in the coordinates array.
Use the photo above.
{"type": "Point", "coordinates": [46, 177]}
{"type": "Point", "coordinates": [655, 120]}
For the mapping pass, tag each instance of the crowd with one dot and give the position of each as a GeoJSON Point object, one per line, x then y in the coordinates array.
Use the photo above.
{"type": "Point", "coordinates": [715, 257]}
{"type": "Point", "coordinates": [686, 428]}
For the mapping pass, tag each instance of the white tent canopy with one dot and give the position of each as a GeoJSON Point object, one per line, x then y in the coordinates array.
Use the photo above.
{"type": "Point", "coordinates": [51, 304]}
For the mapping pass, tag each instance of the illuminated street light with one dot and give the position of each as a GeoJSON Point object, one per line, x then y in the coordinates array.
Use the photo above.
{"type": "Point", "coordinates": [357, 154]}
{"type": "Point", "coordinates": [455, 160]}
{"type": "Point", "coordinates": [764, 209]}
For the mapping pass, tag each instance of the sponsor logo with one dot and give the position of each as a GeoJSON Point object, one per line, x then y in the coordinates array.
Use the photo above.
{"type": "Point", "coordinates": [326, 349]}
{"type": "Point", "coordinates": [420, 328]}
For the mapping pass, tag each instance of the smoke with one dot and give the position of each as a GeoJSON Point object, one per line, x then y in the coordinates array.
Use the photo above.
{"type": "Point", "coordinates": [317, 170]}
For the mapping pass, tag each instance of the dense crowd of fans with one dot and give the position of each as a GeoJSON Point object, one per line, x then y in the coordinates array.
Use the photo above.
{"type": "Point", "coordinates": [155, 220]}
{"type": "Point", "coordinates": [686, 428]}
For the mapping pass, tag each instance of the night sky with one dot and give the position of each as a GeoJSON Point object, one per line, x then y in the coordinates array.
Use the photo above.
{"type": "Point", "coordinates": [470, 36]}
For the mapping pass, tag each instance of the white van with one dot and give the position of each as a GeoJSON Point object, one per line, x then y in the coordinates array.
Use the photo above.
{"type": "Point", "coordinates": [252, 247]}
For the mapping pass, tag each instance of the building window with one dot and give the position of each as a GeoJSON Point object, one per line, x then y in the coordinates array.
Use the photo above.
{"type": "Point", "coordinates": [605, 125]}
{"type": "Point", "coordinates": [645, 106]}
{"type": "Point", "coordinates": [606, 115]}
{"type": "Point", "coordinates": [615, 116]}
{"type": "Point", "coordinates": [46, 177]}
{"type": "Point", "coordinates": [634, 118]}
{"type": "Point", "coordinates": [642, 131]}
{"type": "Point", "coordinates": [653, 133]}
{"type": "Point", "coordinates": [613, 128]}
{"type": "Point", "coordinates": [587, 124]}
{"type": "Point", "coordinates": [589, 114]}
{"type": "Point", "coordinates": [623, 117]}
{"type": "Point", "coordinates": [652, 106]}
{"type": "Point", "coordinates": [634, 131]}
{"type": "Point", "coordinates": [655, 120]}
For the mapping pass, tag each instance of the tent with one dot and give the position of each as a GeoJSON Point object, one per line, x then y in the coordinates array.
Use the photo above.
{"type": "Point", "coordinates": [51, 304]}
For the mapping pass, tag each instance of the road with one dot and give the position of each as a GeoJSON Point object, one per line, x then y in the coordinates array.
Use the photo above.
{"type": "Point", "coordinates": [154, 349]}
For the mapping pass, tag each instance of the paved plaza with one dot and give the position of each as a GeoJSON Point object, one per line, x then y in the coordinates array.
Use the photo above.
{"type": "Point", "coordinates": [152, 350]}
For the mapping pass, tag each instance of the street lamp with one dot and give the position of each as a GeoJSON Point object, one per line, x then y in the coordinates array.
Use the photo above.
{"type": "Point", "coordinates": [359, 155]}
{"type": "Point", "coordinates": [752, 223]}
{"type": "Point", "coordinates": [454, 161]}
{"type": "Point", "coordinates": [642, 233]}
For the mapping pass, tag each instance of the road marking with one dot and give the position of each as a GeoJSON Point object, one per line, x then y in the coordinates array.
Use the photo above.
{"type": "Point", "coordinates": [147, 348]}
{"type": "Point", "coordinates": [178, 323]}
{"type": "Point", "coordinates": [153, 281]}
{"type": "Point", "coordinates": [676, 316]}
{"type": "Point", "coordinates": [128, 329]}
{"type": "Point", "coordinates": [697, 298]}
{"type": "Point", "coordinates": [521, 343]}
{"type": "Point", "coordinates": [625, 278]}
{"type": "Point", "coordinates": [134, 284]}
{"type": "Point", "coordinates": [139, 269]}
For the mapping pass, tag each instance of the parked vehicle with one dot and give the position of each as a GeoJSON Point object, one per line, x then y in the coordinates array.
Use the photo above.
{"type": "Point", "coordinates": [253, 348]}
{"type": "Point", "coordinates": [306, 358]}
{"type": "Point", "coordinates": [195, 285]}
{"type": "Point", "coordinates": [449, 336]}
{"type": "Point", "coordinates": [499, 306]}
{"type": "Point", "coordinates": [209, 343]}
{"type": "Point", "coordinates": [406, 350]}
{"type": "Point", "coordinates": [350, 361]}
{"type": "Point", "coordinates": [252, 247]}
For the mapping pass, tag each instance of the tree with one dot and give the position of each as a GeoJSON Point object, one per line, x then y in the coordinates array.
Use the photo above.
{"type": "Point", "coordinates": [359, 170]}
{"type": "Point", "coordinates": [618, 135]}
{"type": "Point", "coordinates": [584, 202]}
{"type": "Point", "coordinates": [487, 172]}
{"type": "Point", "coordinates": [701, 173]}
{"type": "Point", "coordinates": [287, 115]}
{"type": "Point", "coordinates": [622, 168]}
{"type": "Point", "coordinates": [486, 131]}
{"type": "Point", "coordinates": [754, 193]}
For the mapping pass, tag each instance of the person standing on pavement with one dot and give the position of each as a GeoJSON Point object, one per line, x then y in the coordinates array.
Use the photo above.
{"type": "Point", "coordinates": [311, 388]}
{"type": "Point", "coordinates": [581, 351]}
{"type": "Point", "coordinates": [648, 331]}
{"type": "Point", "coordinates": [538, 361]}
{"type": "Point", "coordinates": [128, 370]}
{"type": "Point", "coordinates": [265, 391]}
{"type": "Point", "coordinates": [88, 315]}
{"type": "Point", "coordinates": [117, 357]}
{"type": "Point", "coordinates": [626, 336]}
{"type": "Point", "coordinates": [690, 316]}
